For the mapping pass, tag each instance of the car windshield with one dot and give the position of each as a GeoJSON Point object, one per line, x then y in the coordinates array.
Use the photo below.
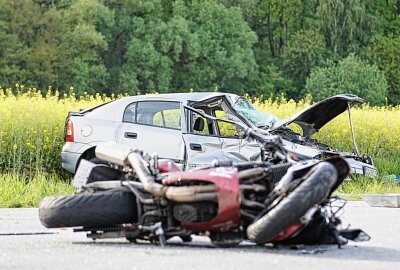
{"type": "Point", "coordinates": [259, 119]}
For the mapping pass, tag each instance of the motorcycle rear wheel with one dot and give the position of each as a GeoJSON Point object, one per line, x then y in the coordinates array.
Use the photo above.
{"type": "Point", "coordinates": [313, 190]}
{"type": "Point", "coordinates": [104, 208]}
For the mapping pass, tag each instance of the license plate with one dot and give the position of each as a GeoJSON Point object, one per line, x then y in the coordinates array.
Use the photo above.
{"type": "Point", "coordinates": [370, 171]}
{"type": "Point", "coordinates": [82, 174]}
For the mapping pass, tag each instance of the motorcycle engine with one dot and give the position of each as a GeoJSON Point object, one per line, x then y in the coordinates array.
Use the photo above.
{"type": "Point", "coordinates": [195, 212]}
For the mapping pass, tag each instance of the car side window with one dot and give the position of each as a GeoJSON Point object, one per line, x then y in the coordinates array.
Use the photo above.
{"type": "Point", "coordinates": [130, 113]}
{"type": "Point", "coordinates": [164, 114]}
{"type": "Point", "coordinates": [167, 118]}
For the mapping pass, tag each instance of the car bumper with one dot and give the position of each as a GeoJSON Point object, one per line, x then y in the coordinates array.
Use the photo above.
{"type": "Point", "coordinates": [69, 161]}
{"type": "Point", "coordinates": [361, 168]}
{"type": "Point", "coordinates": [70, 155]}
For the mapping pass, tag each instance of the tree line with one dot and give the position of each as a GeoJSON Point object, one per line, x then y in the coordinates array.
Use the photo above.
{"type": "Point", "coordinates": [259, 47]}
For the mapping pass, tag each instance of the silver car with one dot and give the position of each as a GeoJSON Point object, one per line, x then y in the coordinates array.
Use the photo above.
{"type": "Point", "coordinates": [189, 128]}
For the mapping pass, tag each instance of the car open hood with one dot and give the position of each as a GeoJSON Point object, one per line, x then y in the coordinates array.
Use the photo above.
{"type": "Point", "coordinates": [316, 116]}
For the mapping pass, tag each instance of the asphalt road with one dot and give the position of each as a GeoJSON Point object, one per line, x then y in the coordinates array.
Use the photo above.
{"type": "Point", "coordinates": [26, 244]}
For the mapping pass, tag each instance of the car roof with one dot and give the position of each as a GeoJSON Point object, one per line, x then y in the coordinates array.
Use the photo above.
{"type": "Point", "coordinates": [112, 110]}
{"type": "Point", "coordinates": [182, 97]}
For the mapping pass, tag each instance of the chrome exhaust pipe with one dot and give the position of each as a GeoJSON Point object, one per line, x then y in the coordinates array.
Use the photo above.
{"type": "Point", "coordinates": [125, 156]}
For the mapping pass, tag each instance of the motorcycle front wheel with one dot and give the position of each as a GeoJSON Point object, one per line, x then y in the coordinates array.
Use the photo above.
{"type": "Point", "coordinates": [313, 190]}
{"type": "Point", "coordinates": [105, 208]}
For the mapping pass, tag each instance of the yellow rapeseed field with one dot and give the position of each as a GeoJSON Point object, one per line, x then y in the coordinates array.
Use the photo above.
{"type": "Point", "coordinates": [32, 124]}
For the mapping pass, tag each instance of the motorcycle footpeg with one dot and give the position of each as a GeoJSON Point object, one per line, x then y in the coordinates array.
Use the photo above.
{"type": "Point", "coordinates": [157, 230]}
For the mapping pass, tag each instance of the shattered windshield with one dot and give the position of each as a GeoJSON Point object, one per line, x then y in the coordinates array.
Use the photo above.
{"type": "Point", "coordinates": [259, 119]}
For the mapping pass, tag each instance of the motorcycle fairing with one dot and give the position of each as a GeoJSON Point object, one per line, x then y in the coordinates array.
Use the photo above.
{"type": "Point", "coordinates": [226, 181]}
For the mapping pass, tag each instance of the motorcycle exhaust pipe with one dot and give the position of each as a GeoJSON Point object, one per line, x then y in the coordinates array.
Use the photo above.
{"type": "Point", "coordinates": [192, 194]}
{"type": "Point", "coordinates": [179, 194]}
{"type": "Point", "coordinates": [113, 152]}
{"type": "Point", "coordinates": [123, 155]}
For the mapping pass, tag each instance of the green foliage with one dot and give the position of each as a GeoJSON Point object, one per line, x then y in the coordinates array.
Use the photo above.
{"type": "Point", "coordinates": [387, 13]}
{"type": "Point", "coordinates": [346, 25]}
{"type": "Point", "coordinates": [18, 190]}
{"type": "Point", "coordinates": [223, 58]}
{"type": "Point", "coordinates": [350, 75]}
{"type": "Point", "coordinates": [386, 54]}
{"type": "Point", "coordinates": [366, 185]}
{"type": "Point", "coordinates": [56, 47]}
{"type": "Point", "coordinates": [202, 40]}
{"type": "Point", "coordinates": [306, 50]}
{"type": "Point", "coordinates": [16, 33]}
{"type": "Point", "coordinates": [241, 46]}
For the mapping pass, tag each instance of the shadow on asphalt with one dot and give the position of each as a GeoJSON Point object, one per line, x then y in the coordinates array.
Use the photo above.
{"type": "Point", "coordinates": [347, 252]}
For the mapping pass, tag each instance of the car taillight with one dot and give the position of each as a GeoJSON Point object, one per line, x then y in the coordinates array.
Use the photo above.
{"type": "Point", "coordinates": [69, 131]}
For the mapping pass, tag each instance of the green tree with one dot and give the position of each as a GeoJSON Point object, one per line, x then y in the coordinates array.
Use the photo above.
{"type": "Point", "coordinates": [81, 61]}
{"type": "Point", "coordinates": [44, 44]}
{"type": "Point", "coordinates": [134, 59]}
{"type": "Point", "coordinates": [385, 53]}
{"type": "Point", "coordinates": [346, 24]}
{"type": "Point", "coordinates": [17, 33]}
{"type": "Point", "coordinates": [306, 50]}
{"type": "Point", "coordinates": [350, 75]}
{"type": "Point", "coordinates": [221, 47]}
{"type": "Point", "coordinates": [200, 45]}
{"type": "Point", "coordinates": [275, 22]}
{"type": "Point", "coordinates": [146, 68]}
{"type": "Point", "coordinates": [44, 56]}
{"type": "Point", "coordinates": [387, 13]}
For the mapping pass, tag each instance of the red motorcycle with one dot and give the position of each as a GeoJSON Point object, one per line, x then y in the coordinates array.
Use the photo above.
{"type": "Point", "coordinates": [136, 196]}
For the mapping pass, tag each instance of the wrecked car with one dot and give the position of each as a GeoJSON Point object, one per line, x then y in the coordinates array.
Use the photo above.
{"type": "Point", "coordinates": [188, 128]}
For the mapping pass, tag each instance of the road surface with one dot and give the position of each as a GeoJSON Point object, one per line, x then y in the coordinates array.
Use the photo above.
{"type": "Point", "coordinates": [26, 244]}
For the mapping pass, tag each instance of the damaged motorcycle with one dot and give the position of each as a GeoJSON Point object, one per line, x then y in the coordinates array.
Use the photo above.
{"type": "Point", "coordinates": [139, 197]}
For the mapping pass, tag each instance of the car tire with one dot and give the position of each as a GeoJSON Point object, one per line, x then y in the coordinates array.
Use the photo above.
{"type": "Point", "coordinates": [105, 208]}
{"type": "Point", "coordinates": [313, 190]}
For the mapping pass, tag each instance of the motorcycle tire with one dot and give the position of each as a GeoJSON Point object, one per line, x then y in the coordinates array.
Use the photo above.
{"type": "Point", "coordinates": [107, 208]}
{"type": "Point", "coordinates": [313, 190]}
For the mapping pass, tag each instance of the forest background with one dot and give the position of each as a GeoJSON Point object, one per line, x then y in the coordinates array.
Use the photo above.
{"type": "Point", "coordinates": [258, 47]}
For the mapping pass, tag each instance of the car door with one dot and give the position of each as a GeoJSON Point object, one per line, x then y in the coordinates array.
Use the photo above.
{"type": "Point", "coordinates": [202, 143]}
{"type": "Point", "coordinates": [235, 145]}
{"type": "Point", "coordinates": [155, 127]}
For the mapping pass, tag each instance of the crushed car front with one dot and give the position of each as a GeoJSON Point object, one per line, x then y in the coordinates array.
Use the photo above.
{"type": "Point", "coordinates": [310, 120]}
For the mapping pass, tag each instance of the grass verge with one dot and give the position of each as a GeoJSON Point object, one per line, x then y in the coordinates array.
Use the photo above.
{"type": "Point", "coordinates": [364, 185]}
{"type": "Point", "coordinates": [17, 190]}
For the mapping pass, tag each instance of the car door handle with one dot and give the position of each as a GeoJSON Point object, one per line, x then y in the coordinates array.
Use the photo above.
{"type": "Point", "coordinates": [196, 147]}
{"type": "Point", "coordinates": [131, 135]}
